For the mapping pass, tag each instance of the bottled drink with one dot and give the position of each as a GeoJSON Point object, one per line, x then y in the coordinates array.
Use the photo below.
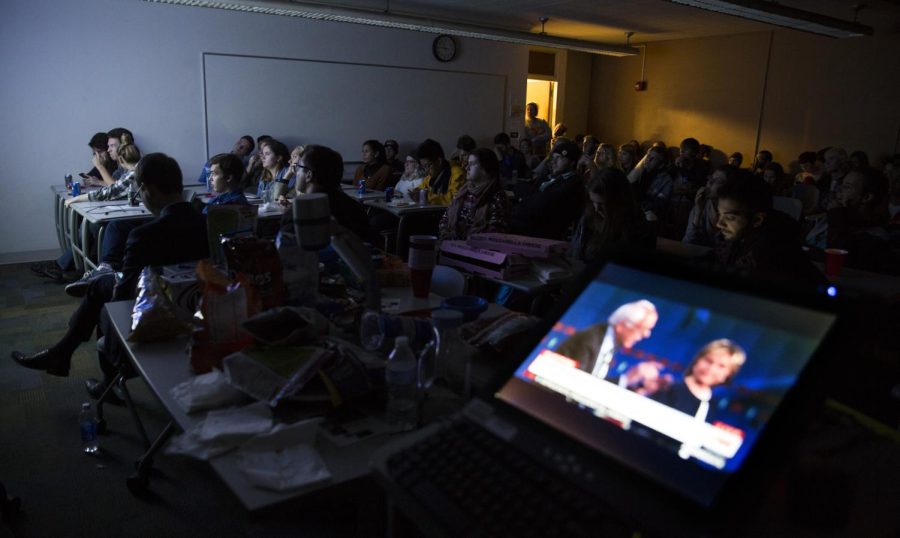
{"type": "Point", "coordinates": [400, 379]}
{"type": "Point", "coordinates": [88, 429]}
{"type": "Point", "coordinates": [68, 179]}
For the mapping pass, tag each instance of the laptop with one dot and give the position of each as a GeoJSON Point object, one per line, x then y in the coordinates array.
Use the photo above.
{"type": "Point", "coordinates": [676, 450]}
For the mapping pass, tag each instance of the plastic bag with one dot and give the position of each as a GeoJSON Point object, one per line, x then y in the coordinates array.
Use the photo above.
{"type": "Point", "coordinates": [154, 317]}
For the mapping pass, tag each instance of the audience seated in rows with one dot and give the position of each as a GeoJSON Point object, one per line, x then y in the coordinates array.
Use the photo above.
{"type": "Point", "coordinates": [273, 179]}
{"type": "Point", "coordinates": [512, 161]}
{"type": "Point", "coordinates": [128, 156]}
{"type": "Point", "coordinates": [242, 148]}
{"type": "Point", "coordinates": [411, 179]}
{"type": "Point", "coordinates": [703, 222]}
{"type": "Point", "coordinates": [99, 145]}
{"type": "Point", "coordinates": [481, 204]}
{"type": "Point", "coordinates": [443, 178]}
{"type": "Point", "coordinates": [159, 181]}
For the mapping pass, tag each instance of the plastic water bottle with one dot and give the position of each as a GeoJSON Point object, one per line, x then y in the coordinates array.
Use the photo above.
{"type": "Point", "coordinates": [400, 378]}
{"type": "Point", "coordinates": [88, 429]}
{"type": "Point", "coordinates": [449, 349]}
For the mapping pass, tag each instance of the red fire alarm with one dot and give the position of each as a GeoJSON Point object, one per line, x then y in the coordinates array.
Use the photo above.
{"type": "Point", "coordinates": [640, 86]}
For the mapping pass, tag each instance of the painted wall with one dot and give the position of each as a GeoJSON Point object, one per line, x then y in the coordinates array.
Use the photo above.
{"type": "Point", "coordinates": [819, 92]}
{"type": "Point", "coordinates": [69, 72]}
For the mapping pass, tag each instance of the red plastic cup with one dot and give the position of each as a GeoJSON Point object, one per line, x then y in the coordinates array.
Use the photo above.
{"type": "Point", "coordinates": [834, 261]}
{"type": "Point", "coordinates": [422, 257]}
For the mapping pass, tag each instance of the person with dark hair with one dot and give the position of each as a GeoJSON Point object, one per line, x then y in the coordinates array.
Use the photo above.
{"type": "Point", "coordinates": [809, 170]}
{"type": "Point", "coordinates": [858, 222]}
{"type": "Point", "coordinates": [444, 178]}
{"type": "Point", "coordinates": [465, 145]}
{"type": "Point", "coordinates": [859, 159]}
{"type": "Point", "coordinates": [481, 204]}
{"type": "Point", "coordinates": [762, 159]}
{"type": "Point", "coordinates": [611, 219]}
{"type": "Point", "coordinates": [690, 172]}
{"type": "Point", "coordinates": [553, 205]}
{"type": "Point", "coordinates": [226, 175]}
{"type": "Point", "coordinates": [753, 238]}
{"type": "Point", "coordinates": [159, 181]}
{"type": "Point", "coordinates": [531, 160]}
{"type": "Point", "coordinates": [589, 145]}
{"type": "Point", "coordinates": [321, 169]}
{"type": "Point", "coordinates": [780, 183]}
{"type": "Point", "coordinates": [627, 158]}
{"type": "Point", "coordinates": [391, 157]}
{"type": "Point", "coordinates": [241, 149]}
{"type": "Point", "coordinates": [702, 223]}
{"type": "Point", "coordinates": [254, 163]}
{"type": "Point", "coordinates": [512, 161]}
{"type": "Point", "coordinates": [115, 138]}
{"type": "Point", "coordinates": [98, 145]}
{"type": "Point", "coordinates": [374, 169]}
{"type": "Point", "coordinates": [736, 159]}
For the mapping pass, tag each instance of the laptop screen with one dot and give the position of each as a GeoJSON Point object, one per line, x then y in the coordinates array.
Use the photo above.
{"type": "Point", "coordinates": [672, 378]}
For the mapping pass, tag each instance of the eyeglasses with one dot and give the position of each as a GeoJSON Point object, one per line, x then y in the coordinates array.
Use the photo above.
{"type": "Point", "coordinates": [304, 167]}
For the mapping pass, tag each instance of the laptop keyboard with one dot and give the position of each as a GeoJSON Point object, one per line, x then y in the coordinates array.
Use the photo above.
{"type": "Point", "coordinates": [475, 485]}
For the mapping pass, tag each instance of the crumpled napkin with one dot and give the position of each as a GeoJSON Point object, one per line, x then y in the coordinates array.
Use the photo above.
{"type": "Point", "coordinates": [221, 431]}
{"type": "Point", "coordinates": [284, 458]}
{"type": "Point", "coordinates": [206, 391]}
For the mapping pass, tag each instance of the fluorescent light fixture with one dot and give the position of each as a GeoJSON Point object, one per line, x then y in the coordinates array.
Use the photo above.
{"type": "Point", "coordinates": [779, 15]}
{"type": "Point", "coordinates": [407, 22]}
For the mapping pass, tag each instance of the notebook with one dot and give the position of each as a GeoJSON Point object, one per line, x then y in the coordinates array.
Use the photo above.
{"type": "Point", "coordinates": [666, 428]}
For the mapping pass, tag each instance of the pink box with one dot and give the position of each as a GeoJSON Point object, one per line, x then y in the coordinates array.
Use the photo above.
{"type": "Point", "coordinates": [533, 247]}
{"type": "Point", "coordinates": [482, 261]}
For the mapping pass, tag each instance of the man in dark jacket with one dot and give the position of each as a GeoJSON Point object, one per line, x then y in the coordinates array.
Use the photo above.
{"type": "Point", "coordinates": [176, 235]}
{"type": "Point", "coordinates": [555, 204]}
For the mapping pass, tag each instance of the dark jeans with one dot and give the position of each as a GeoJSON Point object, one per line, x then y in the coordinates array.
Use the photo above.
{"type": "Point", "coordinates": [115, 237]}
{"type": "Point", "coordinates": [85, 319]}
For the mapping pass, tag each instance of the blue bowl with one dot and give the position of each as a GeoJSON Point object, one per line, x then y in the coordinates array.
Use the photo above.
{"type": "Point", "coordinates": [470, 305]}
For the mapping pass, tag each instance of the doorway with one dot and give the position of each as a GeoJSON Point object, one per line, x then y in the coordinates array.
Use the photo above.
{"type": "Point", "coordinates": [542, 92]}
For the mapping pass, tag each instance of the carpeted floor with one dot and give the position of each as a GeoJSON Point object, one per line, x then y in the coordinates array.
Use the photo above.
{"type": "Point", "coordinates": [65, 492]}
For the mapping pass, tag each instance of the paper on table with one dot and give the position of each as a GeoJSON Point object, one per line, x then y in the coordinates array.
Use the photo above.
{"type": "Point", "coordinates": [285, 458]}
{"type": "Point", "coordinates": [206, 391]}
{"type": "Point", "coordinates": [221, 431]}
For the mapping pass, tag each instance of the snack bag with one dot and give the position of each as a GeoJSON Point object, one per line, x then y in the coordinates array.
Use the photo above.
{"type": "Point", "coordinates": [154, 317]}
{"type": "Point", "coordinates": [257, 261]}
{"type": "Point", "coordinates": [224, 305]}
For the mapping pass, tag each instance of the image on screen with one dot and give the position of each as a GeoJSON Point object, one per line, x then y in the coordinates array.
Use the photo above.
{"type": "Point", "coordinates": [692, 370]}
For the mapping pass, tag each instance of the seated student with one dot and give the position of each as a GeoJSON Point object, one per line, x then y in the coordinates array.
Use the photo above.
{"type": "Point", "coordinates": [115, 138]}
{"type": "Point", "coordinates": [391, 151]}
{"type": "Point", "coordinates": [321, 170]}
{"type": "Point", "coordinates": [553, 205]}
{"type": "Point", "coordinates": [858, 223]}
{"type": "Point", "coordinates": [780, 183]}
{"type": "Point", "coordinates": [176, 235]}
{"type": "Point", "coordinates": [531, 160]}
{"type": "Point", "coordinates": [465, 145]}
{"type": "Point", "coordinates": [703, 220]}
{"type": "Point", "coordinates": [128, 156]}
{"type": "Point", "coordinates": [254, 165]}
{"type": "Point", "coordinates": [512, 161]}
{"type": "Point", "coordinates": [412, 178]}
{"type": "Point", "coordinates": [443, 178]}
{"type": "Point", "coordinates": [374, 170]}
{"type": "Point", "coordinates": [736, 159]}
{"type": "Point", "coordinates": [689, 173]}
{"type": "Point", "coordinates": [809, 170]}
{"type": "Point", "coordinates": [627, 157]}
{"type": "Point", "coordinates": [481, 205]}
{"type": "Point", "coordinates": [606, 157]}
{"type": "Point", "coordinates": [651, 183]}
{"type": "Point", "coordinates": [226, 174]}
{"type": "Point", "coordinates": [273, 180]}
{"type": "Point", "coordinates": [761, 242]}
{"type": "Point", "coordinates": [762, 159]}
{"type": "Point", "coordinates": [99, 147]}
{"type": "Point", "coordinates": [611, 218]}
{"type": "Point", "coordinates": [242, 149]}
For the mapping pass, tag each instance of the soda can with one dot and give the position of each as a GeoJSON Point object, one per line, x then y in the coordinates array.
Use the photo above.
{"type": "Point", "coordinates": [423, 197]}
{"type": "Point", "coordinates": [76, 188]}
{"type": "Point", "coordinates": [388, 194]}
{"type": "Point", "coordinates": [361, 187]}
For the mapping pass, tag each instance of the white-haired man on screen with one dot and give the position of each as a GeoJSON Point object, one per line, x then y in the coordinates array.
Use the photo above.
{"type": "Point", "coordinates": [595, 346]}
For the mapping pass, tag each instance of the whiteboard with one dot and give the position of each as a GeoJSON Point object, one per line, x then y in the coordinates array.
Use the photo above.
{"type": "Point", "coordinates": [340, 105]}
